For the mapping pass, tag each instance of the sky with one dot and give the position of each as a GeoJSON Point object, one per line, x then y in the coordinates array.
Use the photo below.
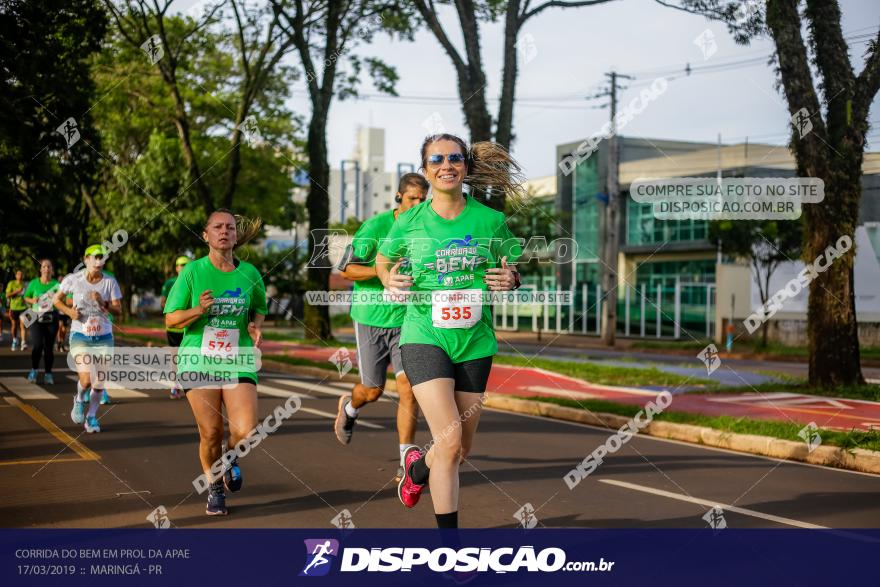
{"type": "Point", "coordinates": [568, 52]}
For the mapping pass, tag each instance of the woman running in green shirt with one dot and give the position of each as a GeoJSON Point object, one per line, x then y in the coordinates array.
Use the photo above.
{"type": "Point", "coordinates": [220, 302]}
{"type": "Point", "coordinates": [40, 294]}
{"type": "Point", "coordinates": [457, 250]}
{"type": "Point", "coordinates": [17, 306]}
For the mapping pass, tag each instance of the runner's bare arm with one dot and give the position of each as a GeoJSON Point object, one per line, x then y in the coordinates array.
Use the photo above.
{"type": "Point", "coordinates": [255, 329]}
{"type": "Point", "coordinates": [355, 272]}
{"type": "Point", "coordinates": [60, 303]}
{"type": "Point", "coordinates": [388, 274]}
{"type": "Point", "coordinates": [500, 278]}
{"type": "Point", "coordinates": [115, 307]}
{"type": "Point", "coordinates": [183, 318]}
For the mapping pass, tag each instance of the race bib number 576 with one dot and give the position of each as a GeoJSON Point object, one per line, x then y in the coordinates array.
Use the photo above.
{"type": "Point", "coordinates": [220, 342]}
{"type": "Point", "coordinates": [456, 308]}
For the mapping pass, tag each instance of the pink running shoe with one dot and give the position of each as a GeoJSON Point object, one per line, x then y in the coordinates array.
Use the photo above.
{"type": "Point", "coordinates": [408, 491]}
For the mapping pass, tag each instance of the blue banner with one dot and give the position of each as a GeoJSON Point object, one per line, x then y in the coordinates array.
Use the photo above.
{"type": "Point", "coordinates": [399, 557]}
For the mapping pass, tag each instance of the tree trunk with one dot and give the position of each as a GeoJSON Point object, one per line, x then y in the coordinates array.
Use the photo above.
{"type": "Point", "coordinates": [189, 155]}
{"type": "Point", "coordinates": [832, 326]}
{"type": "Point", "coordinates": [317, 318]}
{"type": "Point", "coordinates": [504, 125]}
{"type": "Point", "coordinates": [833, 153]}
{"type": "Point", "coordinates": [234, 158]}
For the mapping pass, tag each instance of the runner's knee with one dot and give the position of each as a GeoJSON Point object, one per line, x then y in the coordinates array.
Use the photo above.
{"type": "Point", "coordinates": [211, 435]}
{"type": "Point", "coordinates": [372, 394]}
{"type": "Point", "coordinates": [448, 448]}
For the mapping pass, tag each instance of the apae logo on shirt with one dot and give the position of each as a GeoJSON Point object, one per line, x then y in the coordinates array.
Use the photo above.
{"type": "Point", "coordinates": [459, 255]}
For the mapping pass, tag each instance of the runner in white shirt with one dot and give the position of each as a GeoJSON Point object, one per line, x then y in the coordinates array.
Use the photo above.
{"type": "Point", "coordinates": [95, 295]}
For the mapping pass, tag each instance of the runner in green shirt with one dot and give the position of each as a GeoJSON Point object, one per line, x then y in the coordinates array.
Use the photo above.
{"type": "Point", "coordinates": [174, 335]}
{"type": "Point", "coordinates": [457, 249]}
{"type": "Point", "coordinates": [43, 319]}
{"type": "Point", "coordinates": [15, 297]}
{"type": "Point", "coordinates": [220, 302]}
{"type": "Point", "coordinates": [2, 310]}
{"type": "Point", "coordinates": [377, 325]}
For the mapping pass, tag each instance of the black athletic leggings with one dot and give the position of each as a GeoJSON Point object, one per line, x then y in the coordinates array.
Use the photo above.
{"type": "Point", "coordinates": [43, 343]}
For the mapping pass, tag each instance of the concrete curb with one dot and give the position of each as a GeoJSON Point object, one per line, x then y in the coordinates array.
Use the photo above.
{"type": "Point", "coordinates": [857, 459]}
{"type": "Point", "coordinates": [865, 461]}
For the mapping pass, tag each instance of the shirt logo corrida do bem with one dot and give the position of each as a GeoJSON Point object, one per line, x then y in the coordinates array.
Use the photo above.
{"type": "Point", "coordinates": [227, 307]}
{"type": "Point", "coordinates": [459, 255]}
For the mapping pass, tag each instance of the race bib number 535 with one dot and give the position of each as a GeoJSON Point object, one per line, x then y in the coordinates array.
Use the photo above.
{"type": "Point", "coordinates": [456, 308]}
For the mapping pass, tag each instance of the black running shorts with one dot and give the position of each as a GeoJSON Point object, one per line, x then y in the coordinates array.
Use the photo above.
{"type": "Point", "coordinates": [174, 338]}
{"type": "Point", "coordinates": [233, 381]}
{"type": "Point", "coordinates": [424, 362]}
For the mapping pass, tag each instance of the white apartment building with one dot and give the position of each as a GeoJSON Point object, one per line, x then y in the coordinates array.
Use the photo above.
{"type": "Point", "coordinates": [360, 186]}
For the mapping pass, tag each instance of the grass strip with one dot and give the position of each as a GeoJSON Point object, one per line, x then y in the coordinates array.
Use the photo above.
{"type": "Point", "coordinates": [775, 429]}
{"type": "Point", "coordinates": [608, 375]}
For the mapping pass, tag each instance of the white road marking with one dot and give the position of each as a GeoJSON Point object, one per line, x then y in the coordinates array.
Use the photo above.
{"type": "Point", "coordinates": [270, 390]}
{"type": "Point", "coordinates": [360, 421]}
{"type": "Point", "coordinates": [318, 388]}
{"type": "Point", "coordinates": [29, 391]}
{"type": "Point", "coordinates": [118, 393]}
{"type": "Point", "coordinates": [782, 399]}
{"type": "Point", "coordinates": [25, 371]}
{"type": "Point", "coordinates": [710, 504]}
{"type": "Point", "coordinates": [569, 393]}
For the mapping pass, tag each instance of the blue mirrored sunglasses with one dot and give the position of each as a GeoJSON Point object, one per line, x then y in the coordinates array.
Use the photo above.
{"type": "Point", "coordinates": [453, 158]}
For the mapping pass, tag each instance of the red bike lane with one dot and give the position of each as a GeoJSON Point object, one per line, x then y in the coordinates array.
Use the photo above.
{"type": "Point", "coordinates": [824, 412]}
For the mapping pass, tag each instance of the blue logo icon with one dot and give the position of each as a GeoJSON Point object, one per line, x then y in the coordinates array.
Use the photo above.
{"type": "Point", "coordinates": [461, 242]}
{"type": "Point", "coordinates": [231, 293]}
{"type": "Point", "coordinates": [320, 553]}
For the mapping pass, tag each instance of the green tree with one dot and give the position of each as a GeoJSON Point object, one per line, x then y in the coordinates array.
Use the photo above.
{"type": "Point", "coordinates": [45, 53]}
{"type": "Point", "coordinates": [763, 244]}
{"type": "Point", "coordinates": [249, 51]}
{"type": "Point", "coordinates": [147, 185]}
{"type": "Point", "coordinates": [325, 34]}
{"type": "Point", "coordinates": [470, 67]}
{"type": "Point", "coordinates": [828, 142]}
{"type": "Point", "coordinates": [284, 277]}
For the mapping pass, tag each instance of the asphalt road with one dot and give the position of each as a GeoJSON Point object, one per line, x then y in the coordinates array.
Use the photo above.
{"type": "Point", "coordinates": [54, 475]}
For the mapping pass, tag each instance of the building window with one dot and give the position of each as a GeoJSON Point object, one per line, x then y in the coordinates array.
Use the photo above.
{"type": "Point", "coordinates": [585, 208]}
{"type": "Point", "coordinates": [665, 273]}
{"type": "Point", "coordinates": [643, 229]}
{"type": "Point", "coordinates": [387, 206]}
{"type": "Point", "coordinates": [387, 188]}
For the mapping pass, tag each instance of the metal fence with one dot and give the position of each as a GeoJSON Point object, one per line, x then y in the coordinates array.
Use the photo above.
{"type": "Point", "coordinates": [669, 311]}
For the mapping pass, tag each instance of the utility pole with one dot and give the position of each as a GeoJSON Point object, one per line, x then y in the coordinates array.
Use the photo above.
{"type": "Point", "coordinates": [612, 209]}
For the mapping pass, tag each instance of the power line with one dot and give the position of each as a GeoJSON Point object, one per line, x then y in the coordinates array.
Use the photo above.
{"type": "Point", "coordinates": [746, 62]}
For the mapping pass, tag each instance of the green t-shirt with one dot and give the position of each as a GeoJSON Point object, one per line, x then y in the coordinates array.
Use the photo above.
{"type": "Point", "coordinates": [44, 292]}
{"type": "Point", "coordinates": [451, 255]}
{"type": "Point", "coordinates": [16, 302]}
{"type": "Point", "coordinates": [237, 294]}
{"type": "Point", "coordinates": [166, 289]}
{"type": "Point", "coordinates": [365, 245]}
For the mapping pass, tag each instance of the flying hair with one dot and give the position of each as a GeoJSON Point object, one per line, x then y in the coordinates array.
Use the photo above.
{"type": "Point", "coordinates": [490, 168]}
{"type": "Point", "coordinates": [246, 229]}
